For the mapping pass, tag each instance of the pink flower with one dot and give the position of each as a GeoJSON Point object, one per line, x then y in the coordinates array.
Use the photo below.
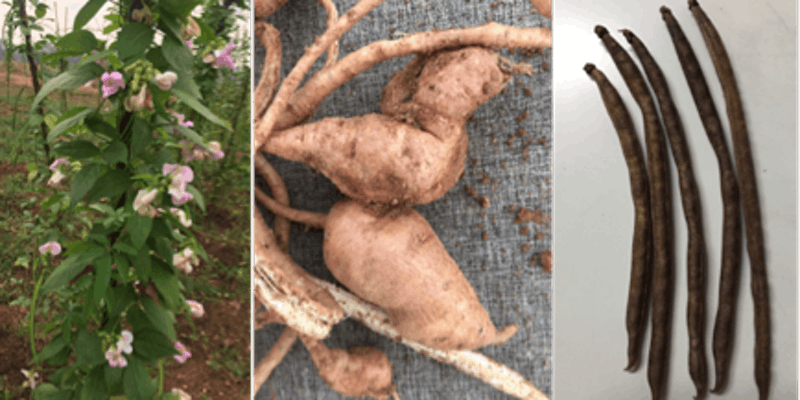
{"type": "Point", "coordinates": [190, 44]}
{"type": "Point", "coordinates": [224, 58]}
{"type": "Point", "coordinates": [53, 247]}
{"type": "Point", "coordinates": [166, 80]}
{"type": "Point", "coordinates": [216, 150]}
{"type": "Point", "coordinates": [144, 198]}
{"type": "Point", "coordinates": [56, 179]}
{"type": "Point", "coordinates": [115, 358]}
{"type": "Point", "coordinates": [57, 162]}
{"type": "Point", "coordinates": [138, 101]}
{"type": "Point", "coordinates": [124, 344]}
{"type": "Point", "coordinates": [182, 218]}
{"type": "Point", "coordinates": [195, 308]}
{"type": "Point", "coordinates": [184, 353]}
{"type": "Point", "coordinates": [182, 121]}
{"type": "Point", "coordinates": [184, 260]}
{"type": "Point", "coordinates": [112, 83]}
{"type": "Point", "coordinates": [181, 174]}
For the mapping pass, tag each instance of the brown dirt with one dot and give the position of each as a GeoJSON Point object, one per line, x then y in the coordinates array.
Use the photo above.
{"type": "Point", "coordinates": [547, 261]}
{"type": "Point", "coordinates": [11, 169]}
{"type": "Point", "coordinates": [526, 215]}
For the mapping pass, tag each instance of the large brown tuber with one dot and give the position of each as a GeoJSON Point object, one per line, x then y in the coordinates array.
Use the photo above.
{"type": "Point", "coordinates": [415, 151]}
{"type": "Point", "coordinates": [393, 259]}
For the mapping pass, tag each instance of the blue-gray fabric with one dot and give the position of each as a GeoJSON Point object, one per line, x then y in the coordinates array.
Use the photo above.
{"type": "Point", "coordinates": [512, 289]}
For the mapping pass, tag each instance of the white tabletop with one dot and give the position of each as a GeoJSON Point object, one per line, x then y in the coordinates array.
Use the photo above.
{"type": "Point", "coordinates": [593, 211]}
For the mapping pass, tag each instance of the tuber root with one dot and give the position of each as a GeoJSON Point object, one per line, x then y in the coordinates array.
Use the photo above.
{"type": "Point", "coordinates": [376, 158]}
{"type": "Point", "coordinates": [415, 151]}
{"type": "Point", "coordinates": [394, 260]}
{"type": "Point", "coordinates": [357, 372]}
{"type": "Point", "coordinates": [287, 290]}
{"type": "Point", "coordinates": [265, 8]}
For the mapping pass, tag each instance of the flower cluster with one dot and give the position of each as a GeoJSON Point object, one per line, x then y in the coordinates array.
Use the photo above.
{"type": "Point", "coordinates": [195, 152]}
{"type": "Point", "coordinates": [57, 176]}
{"type": "Point", "coordinates": [181, 175]}
{"type": "Point", "coordinates": [195, 308]}
{"type": "Point", "coordinates": [184, 353]}
{"type": "Point", "coordinates": [185, 259]}
{"type": "Point", "coordinates": [123, 345]}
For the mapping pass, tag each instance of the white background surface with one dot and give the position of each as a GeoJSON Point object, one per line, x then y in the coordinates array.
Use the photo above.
{"type": "Point", "coordinates": [593, 221]}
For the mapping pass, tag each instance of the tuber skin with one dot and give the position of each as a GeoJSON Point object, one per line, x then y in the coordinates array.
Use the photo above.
{"type": "Point", "coordinates": [357, 372]}
{"type": "Point", "coordinates": [393, 259]}
{"type": "Point", "coordinates": [415, 151]}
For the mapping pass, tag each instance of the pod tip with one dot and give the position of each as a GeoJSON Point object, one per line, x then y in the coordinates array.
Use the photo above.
{"type": "Point", "coordinates": [665, 10]}
{"type": "Point", "coordinates": [589, 67]}
{"type": "Point", "coordinates": [629, 36]}
{"type": "Point", "coordinates": [601, 31]}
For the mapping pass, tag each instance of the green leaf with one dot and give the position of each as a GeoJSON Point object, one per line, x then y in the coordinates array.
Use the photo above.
{"type": "Point", "coordinates": [113, 378]}
{"type": "Point", "coordinates": [46, 391]}
{"type": "Point", "coordinates": [161, 319]}
{"type": "Point", "coordinates": [164, 247]}
{"type": "Point", "coordinates": [41, 10]}
{"type": "Point", "coordinates": [190, 134]}
{"type": "Point", "coordinates": [141, 136]}
{"type": "Point", "coordinates": [179, 8]}
{"type": "Point", "coordinates": [136, 382]}
{"type": "Point", "coordinates": [70, 118]}
{"type": "Point", "coordinates": [94, 386]}
{"type": "Point", "coordinates": [52, 200]}
{"type": "Point", "coordinates": [198, 197]}
{"type": "Point", "coordinates": [207, 33]}
{"type": "Point", "coordinates": [123, 266]}
{"type": "Point", "coordinates": [70, 79]}
{"type": "Point", "coordinates": [96, 124]}
{"type": "Point", "coordinates": [156, 56]}
{"type": "Point", "coordinates": [78, 41]}
{"type": "Point", "coordinates": [115, 153]}
{"type": "Point", "coordinates": [170, 24]}
{"type": "Point", "coordinates": [143, 262]}
{"type": "Point", "coordinates": [152, 345]}
{"type": "Point", "coordinates": [126, 248]}
{"type": "Point", "coordinates": [134, 39]}
{"type": "Point", "coordinates": [87, 12]}
{"type": "Point", "coordinates": [51, 349]}
{"type": "Point", "coordinates": [89, 349]}
{"type": "Point", "coordinates": [177, 54]}
{"type": "Point", "coordinates": [102, 269]}
{"type": "Point", "coordinates": [123, 297]}
{"type": "Point", "coordinates": [78, 149]}
{"type": "Point", "coordinates": [192, 102]}
{"type": "Point", "coordinates": [84, 180]}
{"type": "Point", "coordinates": [139, 227]}
{"type": "Point", "coordinates": [69, 269]}
{"type": "Point", "coordinates": [112, 184]}
{"type": "Point", "coordinates": [166, 283]}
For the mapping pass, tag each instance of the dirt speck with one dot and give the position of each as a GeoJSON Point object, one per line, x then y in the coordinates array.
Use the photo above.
{"type": "Point", "coordinates": [547, 261]}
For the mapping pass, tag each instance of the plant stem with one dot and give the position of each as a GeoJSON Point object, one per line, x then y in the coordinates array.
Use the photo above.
{"type": "Point", "coordinates": [31, 323]}
{"type": "Point", "coordinates": [34, 75]}
{"type": "Point", "coordinates": [160, 377]}
{"type": "Point", "coordinates": [232, 136]}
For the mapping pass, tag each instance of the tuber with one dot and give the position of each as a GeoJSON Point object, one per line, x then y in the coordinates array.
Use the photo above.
{"type": "Point", "coordinates": [357, 372]}
{"type": "Point", "coordinates": [415, 151]}
{"type": "Point", "coordinates": [393, 259]}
